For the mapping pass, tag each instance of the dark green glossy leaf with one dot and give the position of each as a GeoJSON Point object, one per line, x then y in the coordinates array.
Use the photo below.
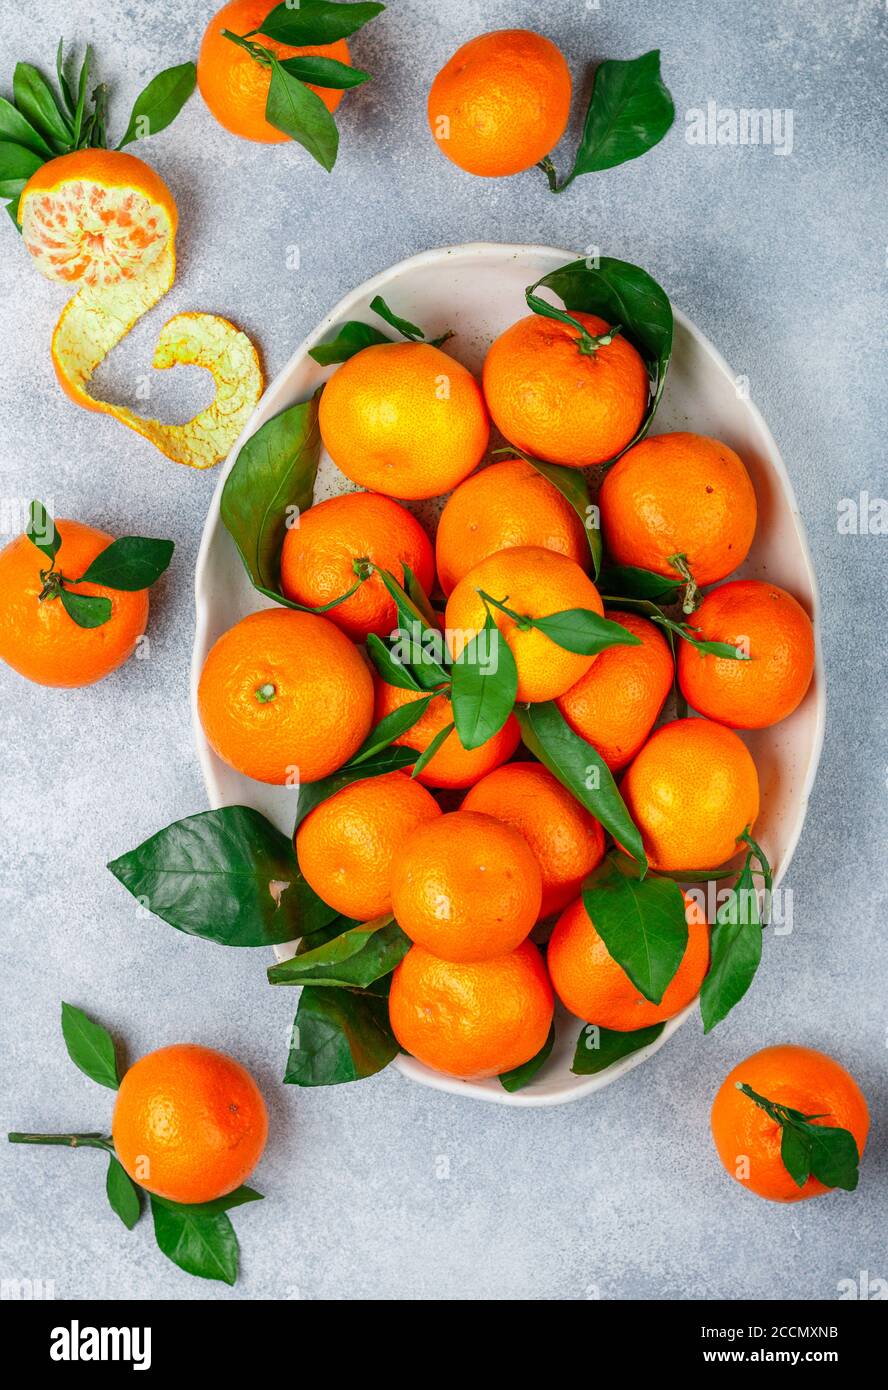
{"type": "Point", "coordinates": [325, 72]}
{"type": "Point", "coordinates": [123, 1195]}
{"type": "Point", "coordinates": [834, 1156]}
{"type": "Point", "coordinates": [15, 130]}
{"type": "Point", "coordinates": [90, 1047]}
{"type": "Point", "coordinates": [573, 487]}
{"type": "Point", "coordinates": [390, 728]}
{"type": "Point", "coordinates": [417, 637]}
{"type": "Point", "coordinates": [395, 758]}
{"type": "Point", "coordinates": [630, 111]}
{"type": "Point", "coordinates": [272, 479]}
{"type": "Point", "coordinates": [205, 1246]}
{"type": "Point", "coordinates": [403, 326]}
{"type": "Point", "coordinates": [130, 563]}
{"type": "Point", "coordinates": [84, 609]}
{"type": "Point", "coordinates": [826, 1152]}
{"type": "Point", "coordinates": [736, 952]}
{"type": "Point", "coordinates": [581, 769]}
{"type": "Point", "coordinates": [41, 531]}
{"type": "Point", "coordinates": [355, 959]}
{"type": "Point", "coordinates": [312, 940]}
{"type": "Point", "coordinates": [598, 1048]}
{"type": "Point", "coordinates": [36, 100]}
{"type": "Point", "coordinates": [795, 1151]}
{"type": "Point", "coordinates": [17, 164]}
{"type": "Point", "coordinates": [228, 876]}
{"type": "Point", "coordinates": [300, 113]}
{"type": "Point", "coordinates": [642, 922]}
{"type": "Point", "coordinates": [583, 631]}
{"type": "Point", "coordinates": [484, 685]}
{"type": "Point", "coordinates": [160, 102]}
{"type": "Point", "coordinates": [351, 338]}
{"type": "Point", "coordinates": [339, 1035]}
{"type": "Point", "coordinates": [317, 21]}
{"type": "Point", "coordinates": [522, 1076]}
{"type": "Point", "coordinates": [626, 581]}
{"type": "Point", "coordinates": [391, 670]}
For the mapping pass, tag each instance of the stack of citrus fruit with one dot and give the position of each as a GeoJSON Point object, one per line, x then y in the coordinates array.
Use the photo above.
{"type": "Point", "coordinates": [298, 695]}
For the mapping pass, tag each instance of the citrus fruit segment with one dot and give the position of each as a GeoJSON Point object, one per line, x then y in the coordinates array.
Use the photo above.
{"type": "Point", "coordinates": [466, 886]}
{"type": "Point", "coordinates": [566, 841]}
{"type": "Point", "coordinates": [38, 638]}
{"type": "Point", "coordinates": [347, 845]}
{"type": "Point", "coordinates": [285, 697]}
{"type": "Point", "coordinates": [591, 984]}
{"type": "Point", "coordinates": [749, 1141]}
{"type": "Point", "coordinates": [471, 1020]}
{"type": "Point", "coordinates": [189, 1123]}
{"type": "Point", "coordinates": [452, 766]}
{"type": "Point", "coordinates": [106, 221]}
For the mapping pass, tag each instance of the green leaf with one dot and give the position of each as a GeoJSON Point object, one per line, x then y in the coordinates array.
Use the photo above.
{"type": "Point", "coordinates": [354, 960]}
{"type": "Point", "coordinates": [583, 631]}
{"type": "Point", "coordinates": [626, 581]}
{"type": "Point", "coordinates": [240, 1197]}
{"type": "Point", "coordinates": [620, 292]}
{"type": "Point", "coordinates": [417, 634]}
{"type": "Point", "coordinates": [227, 876]}
{"type": "Point", "coordinates": [129, 564]}
{"type": "Point", "coordinates": [325, 72]}
{"type": "Point", "coordinates": [581, 770]}
{"type": "Point", "coordinates": [395, 758]}
{"type": "Point", "coordinates": [736, 952]}
{"type": "Point", "coordinates": [274, 473]}
{"type": "Point", "coordinates": [337, 927]}
{"type": "Point", "coordinates": [350, 339]}
{"type": "Point", "coordinates": [431, 749]}
{"type": "Point", "coordinates": [205, 1246]}
{"type": "Point", "coordinates": [642, 922]}
{"type": "Point", "coordinates": [630, 111]}
{"type": "Point", "coordinates": [403, 326]}
{"type": "Point", "coordinates": [574, 489]}
{"type": "Point", "coordinates": [41, 531]}
{"type": "Point", "coordinates": [598, 1048]}
{"type": "Point", "coordinates": [300, 113]}
{"type": "Point", "coordinates": [834, 1156]}
{"type": "Point", "coordinates": [84, 609]}
{"type": "Point", "coordinates": [391, 670]}
{"type": "Point", "coordinates": [519, 1077]}
{"type": "Point", "coordinates": [317, 21]}
{"type": "Point", "coordinates": [80, 106]}
{"type": "Point", "coordinates": [795, 1151]}
{"type": "Point", "coordinates": [64, 84]}
{"type": "Point", "coordinates": [36, 101]}
{"type": "Point", "coordinates": [484, 685]}
{"type": "Point", "coordinates": [338, 1036]}
{"type": "Point", "coordinates": [17, 164]}
{"type": "Point", "coordinates": [721, 649]}
{"type": "Point", "coordinates": [390, 728]}
{"type": "Point", "coordinates": [15, 130]}
{"type": "Point", "coordinates": [123, 1195]}
{"type": "Point", "coordinates": [90, 1047]}
{"type": "Point", "coordinates": [160, 102]}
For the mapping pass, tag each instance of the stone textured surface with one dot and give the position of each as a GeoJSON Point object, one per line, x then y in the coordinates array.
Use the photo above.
{"type": "Point", "coordinates": [387, 1190]}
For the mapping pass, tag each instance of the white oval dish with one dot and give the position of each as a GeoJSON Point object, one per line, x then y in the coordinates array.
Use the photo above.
{"type": "Point", "coordinates": [478, 290]}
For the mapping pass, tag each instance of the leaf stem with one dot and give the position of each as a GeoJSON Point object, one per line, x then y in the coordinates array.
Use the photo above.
{"type": "Point", "coordinates": [71, 1141]}
{"type": "Point", "coordinates": [692, 596]}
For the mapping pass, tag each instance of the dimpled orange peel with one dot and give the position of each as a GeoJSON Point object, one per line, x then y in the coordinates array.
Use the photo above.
{"type": "Point", "coordinates": [104, 221]}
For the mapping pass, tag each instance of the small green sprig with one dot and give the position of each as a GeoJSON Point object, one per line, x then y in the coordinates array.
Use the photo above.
{"type": "Point", "coordinates": [825, 1152]}
{"type": "Point", "coordinates": [129, 564]}
{"type": "Point", "coordinates": [198, 1237]}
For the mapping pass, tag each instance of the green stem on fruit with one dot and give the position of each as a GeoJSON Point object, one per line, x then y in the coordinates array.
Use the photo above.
{"type": "Point", "coordinates": [692, 596]}
{"type": "Point", "coordinates": [70, 1141]}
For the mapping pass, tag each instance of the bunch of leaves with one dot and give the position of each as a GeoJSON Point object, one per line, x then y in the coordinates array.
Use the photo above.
{"type": "Point", "coordinates": [128, 564]}
{"type": "Point", "coordinates": [354, 335]}
{"type": "Point", "coordinates": [630, 110]}
{"type": "Point", "coordinates": [291, 106]}
{"type": "Point", "coordinates": [43, 121]}
{"type": "Point", "coordinates": [627, 582]}
{"type": "Point", "coordinates": [825, 1152]}
{"type": "Point", "coordinates": [628, 299]}
{"type": "Point", "coordinates": [199, 1236]}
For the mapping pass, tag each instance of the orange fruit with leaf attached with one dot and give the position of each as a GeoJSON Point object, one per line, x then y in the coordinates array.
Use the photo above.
{"type": "Point", "coordinates": [592, 985]}
{"type": "Point", "coordinates": [347, 845]}
{"type": "Point", "coordinates": [471, 1020]}
{"type": "Point", "coordinates": [466, 886]}
{"type": "Point", "coordinates": [748, 1140]}
{"type": "Point", "coordinates": [38, 638]}
{"type": "Point", "coordinates": [189, 1123]}
{"type": "Point", "coordinates": [501, 103]}
{"type": "Point", "coordinates": [452, 766]}
{"type": "Point", "coordinates": [532, 582]}
{"type": "Point", "coordinates": [235, 86]}
{"type": "Point", "coordinates": [691, 791]}
{"type": "Point", "coordinates": [404, 419]}
{"type": "Point", "coordinates": [679, 495]}
{"type": "Point", "coordinates": [504, 505]}
{"type": "Point", "coordinates": [326, 550]}
{"type": "Point", "coordinates": [285, 696]}
{"type": "Point", "coordinates": [566, 840]}
{"type": "Point", "coordinates": [558, 403]}
{"type": "Point", "coordinates": [616, 703]}
{"type": "Point", "coordinates": [775, 633]}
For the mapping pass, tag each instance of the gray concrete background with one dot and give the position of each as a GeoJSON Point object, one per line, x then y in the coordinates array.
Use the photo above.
{"type": "Point", "coordinates": [782, 262]}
